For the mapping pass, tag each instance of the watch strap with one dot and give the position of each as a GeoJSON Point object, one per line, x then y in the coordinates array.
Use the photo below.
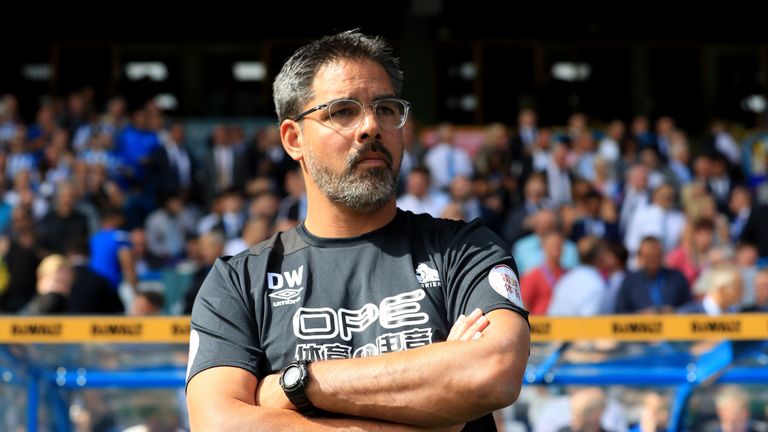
{"type": "Point", "coordinates": [297, 395]}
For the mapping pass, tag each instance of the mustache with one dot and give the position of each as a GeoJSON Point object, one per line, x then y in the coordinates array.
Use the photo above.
{"type": "Point", "coordinates": [368, 147]}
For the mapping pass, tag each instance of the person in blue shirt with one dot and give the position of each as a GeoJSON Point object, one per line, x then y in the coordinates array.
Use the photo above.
{"type": "Point", "coordinates": [111, 251]}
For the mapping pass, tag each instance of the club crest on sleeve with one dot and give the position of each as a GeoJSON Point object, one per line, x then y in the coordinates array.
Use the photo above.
{"type": "Point", "coordinates": [504, 281]}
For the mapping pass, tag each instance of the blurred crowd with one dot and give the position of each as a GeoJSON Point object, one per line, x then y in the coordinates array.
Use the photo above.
{"type": "Point", "coordinates": [111, 210]}
{"type": "Point", "coordinates": [611, 218]}
{"type": "Point", "coordinates": [595, 409]}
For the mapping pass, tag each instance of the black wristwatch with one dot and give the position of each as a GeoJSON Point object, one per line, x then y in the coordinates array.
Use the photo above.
{"type": "Point", "coordinates": [294, 381]}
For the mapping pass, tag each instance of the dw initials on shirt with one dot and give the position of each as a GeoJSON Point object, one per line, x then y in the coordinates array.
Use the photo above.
{"type": "Point", "coordinates": [289, 295]}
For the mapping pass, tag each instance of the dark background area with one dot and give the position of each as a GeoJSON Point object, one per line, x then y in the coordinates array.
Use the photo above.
{"type": "Point", "coordinates": [695, 65]}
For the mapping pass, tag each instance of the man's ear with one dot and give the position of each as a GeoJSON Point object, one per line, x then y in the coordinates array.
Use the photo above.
{"type": "Point", "coordinates": [290, 135]}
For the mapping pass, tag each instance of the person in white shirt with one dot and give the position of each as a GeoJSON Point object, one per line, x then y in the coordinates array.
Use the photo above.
{"type": "Point", "coordinates": [723, 287]}
{"type": "Point", "coordinates": [446, 160]}
{"type": "Point", "coordinates": [659, 219]}
{"type": "Point", "coordinates": [558, 176]}
{"type": "Point", "coordinates": [257, 228]}
{"type": "Point", "coordinates": [540, 152]}
{"type": "Point", "coordinates": [635, 195]}
{"type": "Point", "coordinates": [420, 197]}
{"type": "Point", "coordinates": [609, 146]}
{"type": "Point", "coordinates": [527, 128]}
{"type": "Point", "coordinates": [581, 290]}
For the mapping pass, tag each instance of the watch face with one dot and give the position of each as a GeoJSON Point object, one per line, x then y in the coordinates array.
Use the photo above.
{"type": "Point", "coordinates": [291, 376]}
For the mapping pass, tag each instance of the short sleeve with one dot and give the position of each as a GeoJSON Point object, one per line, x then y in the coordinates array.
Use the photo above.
{"type": "Point", "coordinates": [480, 273]}
{"type": "Point", "coordinates": [122, 239]}
{"type": "Point", "coordinates": [223, 330]}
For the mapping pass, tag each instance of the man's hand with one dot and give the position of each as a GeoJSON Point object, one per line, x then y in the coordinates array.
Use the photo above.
{"type": "Point", "coordinates": [469, 327]}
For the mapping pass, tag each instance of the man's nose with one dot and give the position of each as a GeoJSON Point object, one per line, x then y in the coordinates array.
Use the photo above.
{"type": "Point", "coordinates": [369, 124]}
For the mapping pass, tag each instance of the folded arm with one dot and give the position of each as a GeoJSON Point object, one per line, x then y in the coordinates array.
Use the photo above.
{"type": "Point", "coordinates": [223, 399]}
{"type": "Point", "coordinates": [437, 385]}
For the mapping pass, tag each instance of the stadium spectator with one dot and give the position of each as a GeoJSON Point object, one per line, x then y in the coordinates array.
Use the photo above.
{"type": "Point", "coordinates": [494, 159]}
{"type": "Point", "coordinates": [692, 254]}
{"type": "Point", "coordinates": [446, 160]}
{"type": "Point", "coordinates": [519, 221]}
{"type": "Point", "coordinates": [211, 245]}
{"type": "Point", "coordinates": [147, 303]}
{"type": "Point", "coordinates": [559, 177]}
{"type": "Point", "coordinates": [722, 289]}
{"type": "Point", "coordinates": [256, 229]}
{"type": "Point", "coordinates": [173, 168]}
{"type": "Point", "coordinates": [587, 407]}
{"type": "Point", "coordinates": [591, 222]}
{"type": "Point", "coordinates": [22, 259]}
{"type": "Point", "coordinates": [538, 284]}
{"type": "Point", "coordinates": [760, 303]}
{"type": "Point", "coordinates": [54, 284]}
{"type": "Point", "coordinates": [613, 266]}
{"type": "Point", "coordinates": [609, 148]}
{"type": "Point", "coordinates": [653, 288]}
{"type": "Point", "coordinates": [660, 219]}
{"type": "Point", "coordinates": [739, 208]}
{"type": "Point", "coordinates": [111, 254]}
{"type": "Point", "coordinates": [635, 195]}
{"type": "Point", "coordinates": [294, 205]}
{"type": "Point", "coordinates": [733, 412]}
{"type": "Point", "coordinates": [91, 293]}
{"type": "Point", "coordinates": [756, 230]}
{"type": "Point", "coordinates": [167, 228]}
{"type": "Point", "coordinates": [580, 291]}
{"type": "Point", "coordinates": [527, 250]}
{"type": "Point", "coordinates": [62, 223]}
{"type": "Point", "coordinates": [654, 416]}
{"type": "Point", "coordinates": [420, 197]}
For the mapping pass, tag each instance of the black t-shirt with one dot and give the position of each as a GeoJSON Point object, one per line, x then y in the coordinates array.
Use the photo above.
{"type": "Point", "coordinates": [298, 296]}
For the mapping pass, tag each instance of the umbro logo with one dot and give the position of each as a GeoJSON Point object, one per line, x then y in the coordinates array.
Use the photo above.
{"type": "Point", "coordinates": [286, 294]}
{"type": "Point", "coordinates": [427, 276]}
{"type": "Point", "coordinates": [286, 285]}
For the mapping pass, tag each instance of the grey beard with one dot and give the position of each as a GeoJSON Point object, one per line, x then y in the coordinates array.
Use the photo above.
{"type": "Point", "coordinates": [361, 192]}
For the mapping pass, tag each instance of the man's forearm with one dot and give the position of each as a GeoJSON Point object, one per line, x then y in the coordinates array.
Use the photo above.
{"type": "Point", "coordinates": [127, 267]}
{"type": "Point", "coordinates": [436, 385]}
{"type": "Point", "coordinates": [223, 399]}
{"type": "Point", "coordinates": [239, 416]}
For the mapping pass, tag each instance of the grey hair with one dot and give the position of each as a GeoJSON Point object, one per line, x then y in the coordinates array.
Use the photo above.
{"type": "Point", "coordinates": [293, 85]}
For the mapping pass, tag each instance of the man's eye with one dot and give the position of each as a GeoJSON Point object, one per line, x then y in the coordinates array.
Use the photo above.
{"type": "Point", "coordinates": [385, 111]}
{"type": "Point", "coordinates": [344, 112]}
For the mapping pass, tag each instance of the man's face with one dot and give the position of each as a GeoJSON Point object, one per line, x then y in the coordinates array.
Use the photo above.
{"type": "Point", "coordinates": [177, 134]}
{"type": "Point", "coordinates": [761, 288]}
{"type": "Point", "coordinates": [535, 191]}
{"type": "Point", "coordinates": [142, 307]}
{"type": "Point", "coordinates": [649, 256]}
{"type": "Point", "coordinates": [527, 119]}
{"type": "Point", "coordinates": [418, 184]}
{"type": "Point", "coordinates": [735, 291]}
{"type": "Point", "coordinates": [734, 416]}
{"type": "Point", "coordinates": [664, 197]}
{"type": "Point", "coordinates": [355, 168]}
{"type": "Point", "coordinates": [638, 178]}
{"type": "Point", "coordinates": [702, 238]}
{"type": "Point", "coordinates": [553, 246]}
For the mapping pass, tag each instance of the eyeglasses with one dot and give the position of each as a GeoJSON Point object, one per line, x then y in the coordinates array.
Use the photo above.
{"type": "Point", "coordinates": [391, 113]}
